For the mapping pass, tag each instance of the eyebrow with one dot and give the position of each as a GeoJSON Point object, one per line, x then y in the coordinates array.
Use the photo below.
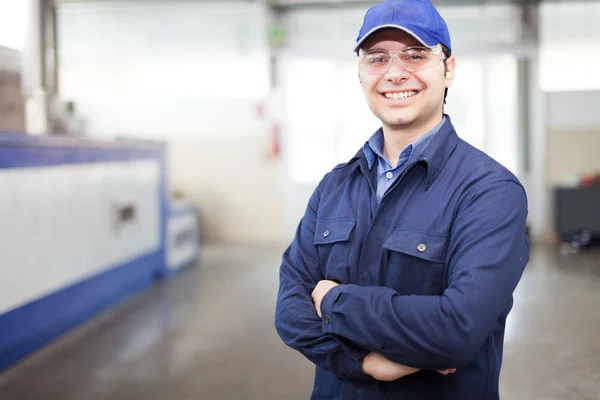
{"type": "Point", "coordinates": [375, 49]}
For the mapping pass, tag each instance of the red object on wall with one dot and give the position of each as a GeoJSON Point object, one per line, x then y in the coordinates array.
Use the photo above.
{"type": "Point", "coordinates": [274, 141]}
{"type": "Point", "coordinates": [260, 111]}
{"type": "Point", "coordinates": [586, 181]}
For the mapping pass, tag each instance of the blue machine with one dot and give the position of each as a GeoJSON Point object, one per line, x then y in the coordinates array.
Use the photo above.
{"type": "Point", "coordinates": [83, 225]}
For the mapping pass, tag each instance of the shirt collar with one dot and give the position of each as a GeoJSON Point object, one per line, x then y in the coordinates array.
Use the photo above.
{"type": "Point", "coordinates": [434, 155]}
{"type": "Point", "coordinates": [373, 148]}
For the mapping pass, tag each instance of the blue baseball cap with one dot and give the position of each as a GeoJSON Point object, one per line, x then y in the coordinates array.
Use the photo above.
{"type": "Point", "coordinates": [416, 17]}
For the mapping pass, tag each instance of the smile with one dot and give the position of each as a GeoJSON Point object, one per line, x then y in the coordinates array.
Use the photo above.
{"type": "Point", "coordinates": [399, 95]}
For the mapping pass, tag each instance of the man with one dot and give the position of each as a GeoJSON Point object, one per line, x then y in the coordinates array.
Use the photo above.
{"type": "Point", "coordinates": [401, 274]}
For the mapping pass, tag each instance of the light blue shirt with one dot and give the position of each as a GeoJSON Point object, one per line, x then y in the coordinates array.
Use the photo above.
{"type": "Point", "coordinates": [386, 174]}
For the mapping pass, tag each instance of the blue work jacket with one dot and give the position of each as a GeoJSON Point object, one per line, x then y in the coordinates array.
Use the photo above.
{"type": "Point", "coordinates": [426, 276]}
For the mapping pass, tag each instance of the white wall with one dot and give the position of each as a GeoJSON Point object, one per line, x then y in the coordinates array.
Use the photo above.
{"type": "Point", "coordinates": [192, 73]}
{"type": "Point", "coordinates": [573, 136]}
{"type": "Point", "coordinates": [13, 23]}
{"type": "Point", "coordinates": [58, 224]}
{"type": "Point", "coordinates": [10, 59]}
{"type": "Point", "coordinates": [177, 68]}
{"type": "Point", "coordinates": [238, 186]}
{"type": "Point", "coordinates": [573, 110]}
{"type": "Point", "coordinates": [570, 46]}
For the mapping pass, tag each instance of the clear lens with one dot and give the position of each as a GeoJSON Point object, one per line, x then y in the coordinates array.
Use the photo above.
{"type": "Point", "coordinates": [376, 62]}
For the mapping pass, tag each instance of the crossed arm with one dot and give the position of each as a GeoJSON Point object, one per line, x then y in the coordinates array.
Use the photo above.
{"type": "Point", "coordinates": [489, 252]}
{"type": "Point", "coordinates": [374, 364]}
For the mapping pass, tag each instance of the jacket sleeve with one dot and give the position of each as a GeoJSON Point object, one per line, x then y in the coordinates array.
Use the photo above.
{"type": "Point", "coordinates": [488, 254]}
{"type": "Point", "coordinates": [296, 320]}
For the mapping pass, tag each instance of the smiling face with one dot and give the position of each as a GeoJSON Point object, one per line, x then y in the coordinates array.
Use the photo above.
{"type": "Point", "coordinates": [405, 100]}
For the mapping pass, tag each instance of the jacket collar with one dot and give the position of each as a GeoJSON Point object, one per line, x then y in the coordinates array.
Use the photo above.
{"type": "Point", "coordinates": [434, 156]}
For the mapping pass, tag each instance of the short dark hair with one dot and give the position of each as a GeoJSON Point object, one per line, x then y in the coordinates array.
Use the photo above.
{"type": "Point", "coordinates": [447, 53]}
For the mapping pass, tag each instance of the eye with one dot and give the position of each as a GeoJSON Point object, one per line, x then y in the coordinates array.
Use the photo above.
{"type": "Point", "coordinates": [377, 58]}
{"type": "Point", "coordinates": [416, 54]}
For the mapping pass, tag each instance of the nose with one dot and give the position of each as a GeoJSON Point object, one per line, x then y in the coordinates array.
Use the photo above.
{"type": "Point", "coordinates": [396, 72]}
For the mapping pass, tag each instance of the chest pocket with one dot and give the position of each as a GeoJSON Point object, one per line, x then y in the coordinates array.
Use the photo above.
{"type": "Point", "coordinates": [332, 239]}
{"type": "Point", "coordinates": [414, 262]}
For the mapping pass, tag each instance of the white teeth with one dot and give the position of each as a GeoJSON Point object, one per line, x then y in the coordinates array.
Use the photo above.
{"type": "Point", "coordinates": [401, 95]}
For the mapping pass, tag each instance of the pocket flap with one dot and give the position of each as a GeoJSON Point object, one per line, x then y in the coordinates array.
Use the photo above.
{"type": "Point", "coordinates": [431, 246]}
{"type": "Point", "coordinates": [333, 230]}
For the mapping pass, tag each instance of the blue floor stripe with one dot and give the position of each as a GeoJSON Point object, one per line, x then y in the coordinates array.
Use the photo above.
{"type": "Point", "coordinates": [32, 325]}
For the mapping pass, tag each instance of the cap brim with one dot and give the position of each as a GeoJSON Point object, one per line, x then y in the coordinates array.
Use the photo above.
{"type": "Point", "coordinates": [423, 37]}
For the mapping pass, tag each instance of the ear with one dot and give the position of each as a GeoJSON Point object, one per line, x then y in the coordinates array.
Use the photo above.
{"type": "Point", "coordinates": [450, 70]}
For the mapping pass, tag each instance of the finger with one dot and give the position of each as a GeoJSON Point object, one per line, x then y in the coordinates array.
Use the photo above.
{"type": "Point", "coordinates": [447, 371]}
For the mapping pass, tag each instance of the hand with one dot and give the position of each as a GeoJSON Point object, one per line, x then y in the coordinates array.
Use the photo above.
{"type": "Point", "coordinates": [382, 369]}
{"type": "Point", "coordinates": [320, 291]}
{"type": "Point", "coordinates": [447, 371]}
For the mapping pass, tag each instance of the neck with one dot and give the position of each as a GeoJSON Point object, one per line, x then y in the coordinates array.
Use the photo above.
{"type": "Point", "coordinates": [396, 139]}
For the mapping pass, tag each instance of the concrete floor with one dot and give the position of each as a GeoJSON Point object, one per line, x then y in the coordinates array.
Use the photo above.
{"type": "Point", "coordinates": [208, 334]}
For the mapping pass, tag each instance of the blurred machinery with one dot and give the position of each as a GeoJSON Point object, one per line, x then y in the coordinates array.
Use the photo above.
{"type": "Point", "coordinates": [85, 225]}
{"type": "Point", "coordinates": [12, 109]}
{"type": "Point", "coordinates": [577, 214]}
